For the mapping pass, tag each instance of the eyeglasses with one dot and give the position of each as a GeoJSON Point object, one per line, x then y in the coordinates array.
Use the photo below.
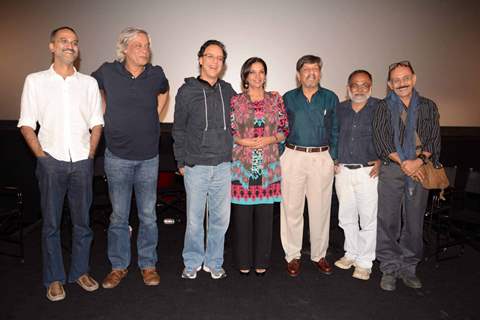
{"type": "Point", "coordinates": [211, 57]}
{"type": "Point", "coordinates": [399, 81]}
{"type": "Point", "coordinates": [404, 63]}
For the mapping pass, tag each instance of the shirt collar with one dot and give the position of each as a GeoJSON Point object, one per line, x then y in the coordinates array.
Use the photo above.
{"type": "Point", "coordinates": [53, 73]}
{"type": "Point", "coordinates": [121, 68]}
{"type": "Point", "coordinates": [370, 102]}
{"type": "Point", "coordinates": [301, 94]}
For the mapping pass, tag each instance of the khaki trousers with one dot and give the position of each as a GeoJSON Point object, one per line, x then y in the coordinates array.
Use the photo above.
{"type": "Point", "coordinates": [310, 175]}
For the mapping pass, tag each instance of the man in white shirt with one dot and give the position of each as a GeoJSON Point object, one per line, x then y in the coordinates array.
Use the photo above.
{"type": "Point", "coordinates": [67, 105]}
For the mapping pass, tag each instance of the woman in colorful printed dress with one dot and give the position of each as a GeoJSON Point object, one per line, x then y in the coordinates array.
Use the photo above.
{"type": "Point", "coordinates": [259, 124]}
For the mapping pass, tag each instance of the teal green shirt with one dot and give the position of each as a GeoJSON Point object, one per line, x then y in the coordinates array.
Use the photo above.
{"type": "Point", "coordinates": [312, 124]}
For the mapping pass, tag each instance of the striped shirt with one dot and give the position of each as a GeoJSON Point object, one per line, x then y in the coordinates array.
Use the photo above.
{"type": "Point", "coordinates": [428, 129]}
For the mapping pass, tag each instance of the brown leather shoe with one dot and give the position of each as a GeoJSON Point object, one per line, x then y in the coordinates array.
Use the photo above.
{"type": "Point", "coordinates": [87, 282]}
{"type": "Point", "coordinates": [55, 291]}
{"type": "Point", "coordinates": [323, 266]}
{"type": "Point", "coordinates": [150, 277]}
{"type": "Point", "coordinates": [113, 278]}
{"type": "Point", "coordinates": [293, 267]}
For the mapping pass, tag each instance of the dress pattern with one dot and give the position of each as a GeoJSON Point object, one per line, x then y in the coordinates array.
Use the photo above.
{"type": "Point", "coordinates": [256, 173]}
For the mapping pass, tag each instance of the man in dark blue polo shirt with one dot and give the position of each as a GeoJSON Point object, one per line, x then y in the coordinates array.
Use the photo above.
{"type": "Point", "coordinates": [356, 175]}
{"type": "Point", "coordinates": [134, 94]}
{"type": "Point", "coordinates": [307, 165]}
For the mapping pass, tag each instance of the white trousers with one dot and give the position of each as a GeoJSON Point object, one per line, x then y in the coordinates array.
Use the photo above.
{"type": "Point", "coordinates": [357, 213]}
{"type": "Point", "coordinates": [310, 175]}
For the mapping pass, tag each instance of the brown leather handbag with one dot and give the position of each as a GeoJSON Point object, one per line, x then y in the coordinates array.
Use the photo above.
{"type": "Point", "coordinates": [435, 178]}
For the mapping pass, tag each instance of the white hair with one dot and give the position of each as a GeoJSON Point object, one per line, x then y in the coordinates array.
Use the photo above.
{"type": "Point", "coordinates": [124, 38]}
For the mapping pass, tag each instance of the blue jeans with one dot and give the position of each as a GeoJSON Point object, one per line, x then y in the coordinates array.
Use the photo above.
{"type": "Point", "coordinates": [123, 176]}
{"type": "Point", "coordinates": [206, 184]}
{"type": "Point", "coordinates": [55, 179]}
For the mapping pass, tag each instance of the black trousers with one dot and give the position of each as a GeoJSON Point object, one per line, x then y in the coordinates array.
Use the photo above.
{"type": "Point", "coordinates": [252, 235]}
{"type": "Point", "coordinates": [400, 222]}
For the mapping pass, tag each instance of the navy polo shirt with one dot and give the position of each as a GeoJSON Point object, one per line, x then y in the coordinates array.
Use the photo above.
{"type": "Point", "coordinates": [355, 141]}
{"type": "Point", "coordinates": [132, 128]}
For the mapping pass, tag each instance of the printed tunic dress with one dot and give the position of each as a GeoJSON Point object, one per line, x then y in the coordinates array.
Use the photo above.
{"type": "Point", "coordinates": [256, 173]}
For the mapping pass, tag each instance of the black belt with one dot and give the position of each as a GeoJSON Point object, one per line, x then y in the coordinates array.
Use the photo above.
{"type": "Point", "coordinates": [307, 149]}
{"type": "Point", "coordinates": [356, 166]}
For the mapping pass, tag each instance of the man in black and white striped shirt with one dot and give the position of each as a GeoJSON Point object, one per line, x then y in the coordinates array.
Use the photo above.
{"type": "Point", "coordinates": [407, 135]}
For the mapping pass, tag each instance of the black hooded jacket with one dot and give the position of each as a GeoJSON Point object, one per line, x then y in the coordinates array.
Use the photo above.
{"type": "Point", "coordinates": [201, 126]}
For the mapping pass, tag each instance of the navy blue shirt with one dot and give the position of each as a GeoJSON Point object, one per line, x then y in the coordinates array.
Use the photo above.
{"type": "Point", "coordinates": [314, 123]}
{"type": "Point", "coordinates": [132, 127]}
{"type": "Point", "coordinates": [355, 141]}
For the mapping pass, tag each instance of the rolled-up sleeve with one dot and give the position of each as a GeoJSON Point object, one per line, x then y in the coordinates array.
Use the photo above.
{"type": "Point", "coordinates": [95, 100]}
{"type": "Point", "coordinates": [28, 107]}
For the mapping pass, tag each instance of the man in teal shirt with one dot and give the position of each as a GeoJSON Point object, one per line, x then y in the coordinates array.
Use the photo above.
{"type": "Point", "coordinates": [307, 167]}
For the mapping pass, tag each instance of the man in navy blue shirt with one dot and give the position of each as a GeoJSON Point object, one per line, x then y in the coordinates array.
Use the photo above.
{"type": "Point", "coordinates": [307, 165]}
{"type": "Point", "coordinates": [356, 175]}
{"type": "Point", "coordinates": [134, 93]}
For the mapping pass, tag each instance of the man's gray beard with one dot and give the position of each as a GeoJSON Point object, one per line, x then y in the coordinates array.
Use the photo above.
{"type": "Point", "coordinates": [363, 98]}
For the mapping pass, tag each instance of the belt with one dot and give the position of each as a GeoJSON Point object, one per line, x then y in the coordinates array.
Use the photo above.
{"type": "Point", "coordinates": [307, 149]}
{"type": "Point", "coordinates": [356, 166]}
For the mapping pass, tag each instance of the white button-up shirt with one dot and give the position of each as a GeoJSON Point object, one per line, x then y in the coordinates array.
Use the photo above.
{"type": "Point", "coordinates": [65, 109]}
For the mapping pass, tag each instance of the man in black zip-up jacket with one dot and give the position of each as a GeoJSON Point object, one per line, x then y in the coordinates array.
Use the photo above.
{"type": "Point", "coordinates": [203, 151]}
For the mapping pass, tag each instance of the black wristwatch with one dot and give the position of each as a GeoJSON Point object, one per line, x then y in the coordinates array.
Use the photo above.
{"type": "Point", "coordinates": [422, 157]}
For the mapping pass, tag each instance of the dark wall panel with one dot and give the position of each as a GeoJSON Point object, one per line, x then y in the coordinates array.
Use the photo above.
{"type": "Point", "coordinates": [17, 164]}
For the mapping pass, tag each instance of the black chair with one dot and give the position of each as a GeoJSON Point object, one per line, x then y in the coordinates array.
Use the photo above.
{"type": "Point", "coordinates": [171, 197]}
{"type": "Point", "coordinates": [11, 220]}
{"type": "Point", "coordinates": [439, 200]}
{"type": "Point", "coordinates": [438, 210]}
{"type": "Point", "coordinates": [459, 224]}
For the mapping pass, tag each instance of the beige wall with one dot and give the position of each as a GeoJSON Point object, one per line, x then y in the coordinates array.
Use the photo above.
{"type": "Point", "coordinates": [440, 38]}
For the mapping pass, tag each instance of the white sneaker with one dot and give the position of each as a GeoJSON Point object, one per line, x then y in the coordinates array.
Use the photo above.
{"type": "Point", "coordinates": [361, 273]}
{"type": "Point", "coordinates": [344, 263]}
{"type": "Point", "coordinates": [215, 274]}
{"type": "Point", "coordinates": [190, 274]}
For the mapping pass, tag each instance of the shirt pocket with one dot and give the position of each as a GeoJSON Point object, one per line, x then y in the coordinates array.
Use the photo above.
{"type": "Point", "coordinates": [366, 128]}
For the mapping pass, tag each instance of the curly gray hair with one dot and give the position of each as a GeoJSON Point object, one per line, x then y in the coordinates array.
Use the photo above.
{"type": "Point", "coordinates": [124, 38]}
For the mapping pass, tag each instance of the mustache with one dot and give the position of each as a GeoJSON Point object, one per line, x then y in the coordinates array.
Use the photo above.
{"type": "Point", "coordinates": [403, 87]}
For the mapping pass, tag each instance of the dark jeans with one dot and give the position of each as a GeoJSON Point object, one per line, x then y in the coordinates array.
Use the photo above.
{"type": "Point", "coordinates": [400, 222]}
{"type": "Point", "coordinates": [55, 179]}
{"type": "Point", "coordinates": [252, 235]}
